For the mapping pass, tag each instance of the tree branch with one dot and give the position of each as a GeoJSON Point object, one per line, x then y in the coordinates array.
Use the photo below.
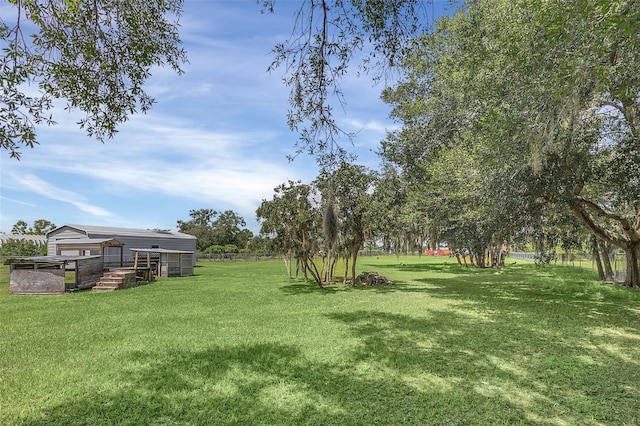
{"type": "Point", "coordinates": [579, 203]}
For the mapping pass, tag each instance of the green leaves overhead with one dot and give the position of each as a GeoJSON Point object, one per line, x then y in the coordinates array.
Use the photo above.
{"type": "Point", "coordinates": [327, 37]}
{"type": "Point", "coordinates": [96, 55]}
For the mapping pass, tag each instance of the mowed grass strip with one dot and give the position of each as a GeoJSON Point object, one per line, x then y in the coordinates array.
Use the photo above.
{"type": "Point", "coordinates": [239, 343]}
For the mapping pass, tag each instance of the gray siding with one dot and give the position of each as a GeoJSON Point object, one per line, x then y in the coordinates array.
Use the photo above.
{"type": "Point", "coordinates": [131, 238]}
{"type": "Point", "coordinates": [63, 234]}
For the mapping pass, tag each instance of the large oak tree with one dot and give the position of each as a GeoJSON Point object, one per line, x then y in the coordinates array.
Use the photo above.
{"type": "Point", "coordinates": [547, 90]}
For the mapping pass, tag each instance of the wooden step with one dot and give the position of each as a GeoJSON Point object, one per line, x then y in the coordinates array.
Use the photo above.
{"type": "Point", "coordinates": [104, 288]}
{"type": "Point", "coordinates": [116, 280]}
{"type": "Point", "coordinates": [115, 274]}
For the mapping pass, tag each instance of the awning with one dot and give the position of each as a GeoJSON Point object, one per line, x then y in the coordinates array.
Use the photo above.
{"type": "Point", "coordinates": [89, 244]}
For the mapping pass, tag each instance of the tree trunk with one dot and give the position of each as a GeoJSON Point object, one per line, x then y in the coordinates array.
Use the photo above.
{"type": "Point", "coordinates": [332, 268]}
{"type": "Point", "coordinates": [346, 270]}
{"type": "Point", "coordinates": [313, 270]}
{"type": "Point", "coordinates": [596, 258]}
{"type": "Point", "coordinates": [606, 260]}
{"type": "Point", "coordinates": [497, 257]}
{"type": "Point", "coordinates": [287, 264]}
{"type": "Point", "coordinates": [472, 258]}
{"type": "Point", "coordinates": [629, 240]}
{"type": "Point", "coordinates": [633, 274]}
{"type": "Point", "coordinates": [354, 255]}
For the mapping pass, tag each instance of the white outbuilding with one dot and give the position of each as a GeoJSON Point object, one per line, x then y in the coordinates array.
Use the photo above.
{"type": "Point", "coordinates": [85, 240]}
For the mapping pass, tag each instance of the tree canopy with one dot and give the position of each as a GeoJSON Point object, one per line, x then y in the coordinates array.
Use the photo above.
{"type": "Point", "coordinates": [517, 106]}
{"type": "Point", "coordinates": [213, 228]}
{"type": "Point", "coordinates": [290, 220]}
{"type": "Point", "coordinates": [328, 36]}
{"type": "Point", "coordinates": [39, 227]}
{"type": "Point", "coordinates": [19, 243]}
{"type": "Point", "coordinates": [95, 55]}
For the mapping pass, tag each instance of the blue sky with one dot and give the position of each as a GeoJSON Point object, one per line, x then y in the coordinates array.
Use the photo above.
{"type": "Point", "coordinates": [216, 138]}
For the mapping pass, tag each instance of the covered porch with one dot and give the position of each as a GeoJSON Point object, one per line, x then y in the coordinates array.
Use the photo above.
{"type": "Point", "coordinates": [92, 247]}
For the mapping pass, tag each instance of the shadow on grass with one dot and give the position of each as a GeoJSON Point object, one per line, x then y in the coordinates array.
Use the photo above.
{"type": "Point", "coordinates": [300, 288]}
{"type": "Point", "coordinates": [309, 288]}
{"type": "Point", "coordinates": [444, 266]}
{"type": "Point", "coordinates": [445, 368]}
{"type": "Point", "coordinates": [560, 363]}
{"type": "Point", "coordinates": [256, 384]}
{"type": "Point", "coordinates": [499, 351]}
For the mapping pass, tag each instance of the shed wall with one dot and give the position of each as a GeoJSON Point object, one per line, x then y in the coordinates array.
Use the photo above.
{"type": "Point", "coordinates": [37, 281]}
{"type": "Point", "coordinates": [89, 271]}
{"type": "Point", "coordinates": [62, 234]}
{"type": "Point", "coordinates": [176, 264]}
{"type": "Point", "coordinates": [188, 260]}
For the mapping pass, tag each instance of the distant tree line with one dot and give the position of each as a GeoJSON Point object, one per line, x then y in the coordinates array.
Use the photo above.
{"type": "Point", "coordinates": [216, 232]}
{"type": "Point", "coordinates": [17, 245]}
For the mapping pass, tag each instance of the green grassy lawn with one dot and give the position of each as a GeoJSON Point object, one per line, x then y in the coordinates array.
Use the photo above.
{"type": "Point", "coordinates": [239, 343]}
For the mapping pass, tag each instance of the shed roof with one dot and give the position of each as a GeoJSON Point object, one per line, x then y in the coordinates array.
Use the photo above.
{"type": "Point", "coordinates": [160, 250]}
{"type": "Point", "coordinates": [91, 230]}
{"type": "Point", "coordinates": [45, 259]}
{"type": "Point", "coordinates": [104, 242]}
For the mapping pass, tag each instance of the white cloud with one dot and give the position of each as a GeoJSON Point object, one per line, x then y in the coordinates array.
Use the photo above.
{"type": "Point", "coordinates": [36, 185]}
{"type": "Point", "coordinates": [17, 201]}
{"type": "Point", "coordinates": [165, 156]}
{"type": "Point", "coordinates": [374, 126]}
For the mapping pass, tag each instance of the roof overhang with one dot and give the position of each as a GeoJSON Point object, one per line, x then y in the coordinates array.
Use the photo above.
{"type": "Point", "coordinates": [26, 260]}
{"type": "Point", "coordinates": [77, 243]}
{"type": "Point", "coordinates": [160, 250]}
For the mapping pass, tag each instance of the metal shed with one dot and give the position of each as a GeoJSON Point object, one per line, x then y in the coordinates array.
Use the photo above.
{"type": "Point", "coordinates": [170, 263]}
{"type": "Point", "coordinates": [53, 274]}
{"type": "Point", "coordinates": [142, 238]}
